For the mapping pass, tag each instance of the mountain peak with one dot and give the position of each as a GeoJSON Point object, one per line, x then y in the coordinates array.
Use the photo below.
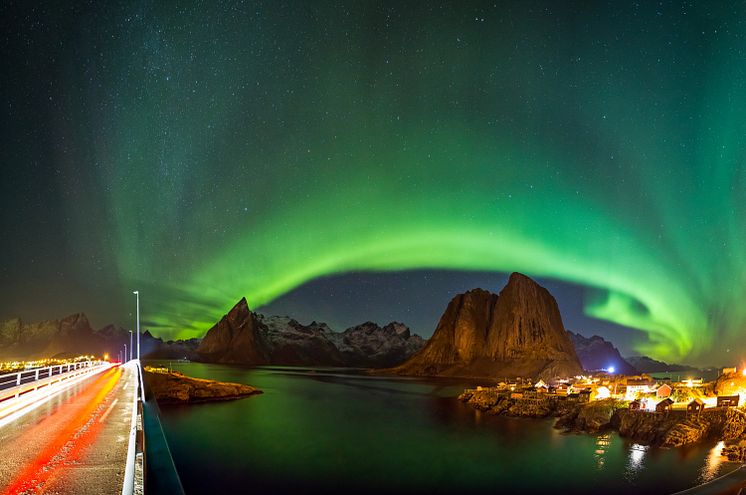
{"type": "Point", "coordinates": [519, 278]}
{"type": "Point", "coordinates": [516, 333]}
{"type": "Point", "coordinates": [596, 353]}
{"type": "Point", "coordinates": [241, 306]}
{"type": "Point", "coordinates": [236, 338]}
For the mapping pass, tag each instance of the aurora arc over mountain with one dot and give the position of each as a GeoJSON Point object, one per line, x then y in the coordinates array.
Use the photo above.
{"type": "Point", "coordinates": [311, 140]}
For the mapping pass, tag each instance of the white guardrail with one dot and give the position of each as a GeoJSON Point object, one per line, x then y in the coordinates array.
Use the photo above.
{"type": "Point", "coordinates": [24, 391]}
{"type": "Point", "coordinates": [134, 471]}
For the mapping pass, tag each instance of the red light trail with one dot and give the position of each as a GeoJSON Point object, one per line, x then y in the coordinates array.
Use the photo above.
{"type": "Point", "coordinates": [65, 436]}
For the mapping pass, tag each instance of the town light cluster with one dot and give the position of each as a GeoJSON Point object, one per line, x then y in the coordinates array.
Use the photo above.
{"type": "Point", "coordinates": [641, 392]}
{"type": "Point", "coordinates": [14, 366]}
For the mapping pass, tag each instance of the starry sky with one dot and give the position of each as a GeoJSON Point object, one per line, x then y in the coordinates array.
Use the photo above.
{"type": "Point", "coordinates": [352, 161]}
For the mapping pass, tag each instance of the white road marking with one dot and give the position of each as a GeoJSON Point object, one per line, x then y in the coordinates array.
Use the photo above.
{"type": "Point", "coordinates": [108, 410]}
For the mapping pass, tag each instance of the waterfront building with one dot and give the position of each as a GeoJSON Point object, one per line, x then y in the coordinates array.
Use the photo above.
{"type": "Point", "coordinates": [663, 391]}
{"type": "Point", "coordinates": [637, 387]}
{"type": "Point", "coordinates": [695, 407]}
{"type": "Point", "coordinates": [664, 406]}
{"type": "Point", "coordinates": [728, 400]}
{"type": "Point", "coordinates": [602, 392]}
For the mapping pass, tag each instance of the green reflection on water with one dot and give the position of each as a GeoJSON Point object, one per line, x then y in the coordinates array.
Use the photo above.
{"type": "Point", "coordinates": [325, 430]}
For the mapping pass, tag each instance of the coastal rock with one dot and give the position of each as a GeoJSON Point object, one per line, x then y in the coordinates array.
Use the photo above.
{"type": "Point", "coordinates": [647, 427]}
{"type": "Point", "coordinates": [495, 401]}
{"type": "Point", "coordinates": [730, 384]}
{"type": "Point", "coordinates": [538, 408]}
{"type": "Point", "coordinates": [671, 429]}
{"type": "Point", "coordinates": [591, 417]}
{"type": "Point", "coordinates": [483, 399]}
{"type": "Point", "coordinates": [516, 333]}
{"type": "Point", "coordinates": [676, 429]}
{"type": "Point", "coordinates": [595, 353]}
{"type": "Point", "coordinates": [172, 387]}
{"type": "Point", "coordinates": [735, 452]}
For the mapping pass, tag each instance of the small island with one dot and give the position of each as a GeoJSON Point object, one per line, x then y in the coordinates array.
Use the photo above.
{"type": "Point", "coordinates": [172, 387]}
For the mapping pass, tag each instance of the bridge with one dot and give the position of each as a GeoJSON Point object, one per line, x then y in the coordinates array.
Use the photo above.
{"type": "Point", "coordinates": [82, 428]}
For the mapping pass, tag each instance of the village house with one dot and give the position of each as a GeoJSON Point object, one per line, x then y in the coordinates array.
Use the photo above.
{"type": "Point", "coordinates": [561, 389]}
{"type": "Point", "coordinates": [530, 393]}
{"type": "Point", "coordinates": [541, 387]}
{"type": "Point", "coordinates": [601, 392]}
{"type": "Point", "coordinates": [692, 383]}
{"type": "Point", "coordinates": [728, 400]}
{"type": "Point", "coordinates": [695, 407]}
{"type": "Point", "coordinates": [664, 391]}
{"type": "Point", "coordinates": [664, 406]}
{"type": "Point", "coordinates": [637, 387]}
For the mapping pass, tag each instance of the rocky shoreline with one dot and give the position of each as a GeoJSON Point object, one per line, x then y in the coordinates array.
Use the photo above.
{"type": "Point", "coordinates": [669, 429]}
{"type": "Point", "coordinates": [172, 387]}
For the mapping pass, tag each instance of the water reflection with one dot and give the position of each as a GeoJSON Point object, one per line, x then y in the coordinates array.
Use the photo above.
{"type": "Point", "coordinates": [314, 433]}
{"type": "Point", "coordinates": [635, 461]}
{"type": "Point", "coordinates": [711, 468]}
{"type": "Point", "coordinates": [603, 442]}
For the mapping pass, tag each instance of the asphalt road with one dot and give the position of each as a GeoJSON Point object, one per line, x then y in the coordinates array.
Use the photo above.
{"type": "Point", "coordinates": [74, 444]}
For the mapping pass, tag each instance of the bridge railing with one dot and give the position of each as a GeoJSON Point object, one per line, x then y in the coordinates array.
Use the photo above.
{"type": "Point", "coordinates": [150, 467]}
{"type": "Point", "coordinates": [15, 384]}
{"type": "Point", "coordinates": [18, 400]}
{"type": "Point", "coordinates": [134, 472]}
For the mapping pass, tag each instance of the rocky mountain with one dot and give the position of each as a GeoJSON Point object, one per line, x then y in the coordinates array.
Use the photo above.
{"type": "Point", "coordinates": [48, 338]}
{"type": "Point", "coordinates": [293, 343]}
{"type": "Point", "coordinates": [595, 353]}
{"type": "Point", "coordinates": [73, 336]}
{"type": "Point", "coordinates": [236, 338]}
{"type": "Point", "coordinates": [245, 337]}
{"type": "Point", "coordinates": [645, 364]}
{"type": "Point", "coordinates": [368, 345]}
{"type": "Point", "coordinates": [516, 333]}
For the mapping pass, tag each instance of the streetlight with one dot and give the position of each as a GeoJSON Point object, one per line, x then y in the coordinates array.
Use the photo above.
{"type": "Point", "coordinates": [124, 356]}
{"type": "Point", "coordinates": [130, 345]}
{"type": "Point", "coordinates": [137, 296]}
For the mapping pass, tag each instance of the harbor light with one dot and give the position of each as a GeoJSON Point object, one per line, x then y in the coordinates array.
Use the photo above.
{"type": "Point", "coordinates": [611, 369]}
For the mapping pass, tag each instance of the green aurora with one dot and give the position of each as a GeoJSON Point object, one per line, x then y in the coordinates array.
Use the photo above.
{"type": "Point", "coordinates": [247, 149]}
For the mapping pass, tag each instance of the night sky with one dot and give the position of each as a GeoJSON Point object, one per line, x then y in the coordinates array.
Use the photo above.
{"type": "Point", "coordinates": [352, 161]}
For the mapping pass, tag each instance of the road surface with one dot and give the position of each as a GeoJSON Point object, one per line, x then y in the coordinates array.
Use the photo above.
{"type": "Point", "coordinates": [74, 444]}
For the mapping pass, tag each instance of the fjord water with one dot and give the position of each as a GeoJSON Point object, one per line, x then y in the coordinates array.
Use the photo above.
{"type": "Point", "coordinates": [330, 431]}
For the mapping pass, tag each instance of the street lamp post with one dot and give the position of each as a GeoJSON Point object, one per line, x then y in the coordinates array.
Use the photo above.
{"type": "Point", "coordinates": [124, 356]}
{"type": "Point", "coordinates": [137, 296]}
{"type": "Point", "coordinates": [130, 345]}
